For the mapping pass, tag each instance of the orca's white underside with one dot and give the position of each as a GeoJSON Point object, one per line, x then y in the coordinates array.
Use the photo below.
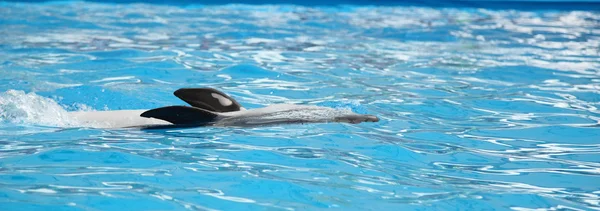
{"type": "Point", "coordinates": [115, 119]}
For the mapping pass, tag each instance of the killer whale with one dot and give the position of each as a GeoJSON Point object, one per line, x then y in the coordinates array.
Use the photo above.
{"type": "Point", "coordinates": [211, 107]}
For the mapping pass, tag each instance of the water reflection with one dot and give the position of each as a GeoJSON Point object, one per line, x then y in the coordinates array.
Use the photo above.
{"type": "Point", "coordinates": [480, 109]}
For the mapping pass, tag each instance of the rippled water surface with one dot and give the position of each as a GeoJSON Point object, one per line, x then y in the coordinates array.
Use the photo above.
{"type": "Point", "coordinates": [480, 109]}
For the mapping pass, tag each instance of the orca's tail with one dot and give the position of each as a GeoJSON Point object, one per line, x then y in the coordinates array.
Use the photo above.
{"type": "Point", "coordinates": [182, 115]}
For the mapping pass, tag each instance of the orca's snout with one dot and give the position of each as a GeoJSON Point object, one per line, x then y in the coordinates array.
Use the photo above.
{"type": "Point", "coordinates": [371, 118]}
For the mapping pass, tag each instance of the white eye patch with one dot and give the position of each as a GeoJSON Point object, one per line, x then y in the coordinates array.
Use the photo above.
{"type": "Point", "coordinates": [223, 100]}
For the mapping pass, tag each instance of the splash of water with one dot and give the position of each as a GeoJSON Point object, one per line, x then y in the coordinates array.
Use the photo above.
{"type": "Point", "coordinates": [19, 107]}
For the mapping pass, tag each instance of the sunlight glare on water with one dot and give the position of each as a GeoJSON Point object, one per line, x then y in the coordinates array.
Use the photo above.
{"type": "Point", "coordinates": [480, 109]}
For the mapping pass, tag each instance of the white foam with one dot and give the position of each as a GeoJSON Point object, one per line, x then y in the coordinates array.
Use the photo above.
{"type": "Point", "coordinates": [42, 190]}
{"type": "Point", "coordinates": [29, 108]}
{"type": "Point", "coordinates": [18, 107]}
{"type": "Point", "coordinates": [153, 36]}
{"type": "Point", "coordinates": [259, 40]}
{"type": "Point", "coordinates": [113, 79]}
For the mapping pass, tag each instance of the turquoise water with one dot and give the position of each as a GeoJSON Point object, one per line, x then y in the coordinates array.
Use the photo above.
{"type": "Point", "coordinates": [480, 109]}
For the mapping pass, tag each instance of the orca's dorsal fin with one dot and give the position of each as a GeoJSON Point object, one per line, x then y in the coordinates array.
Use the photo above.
{"type": "Point", "coordinates": [208, 98]}
{"type": "Point", "coordinates": [182, 115]}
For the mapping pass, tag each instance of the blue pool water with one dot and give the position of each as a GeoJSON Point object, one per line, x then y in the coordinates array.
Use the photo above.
{"type": "Point", "coordinates": [481, 109]}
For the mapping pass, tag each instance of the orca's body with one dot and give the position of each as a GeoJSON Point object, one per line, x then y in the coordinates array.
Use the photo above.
{"type": "Point", "coordinates": [211, 107]}
{"type": "Point", "coordinates": [116, 119]}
